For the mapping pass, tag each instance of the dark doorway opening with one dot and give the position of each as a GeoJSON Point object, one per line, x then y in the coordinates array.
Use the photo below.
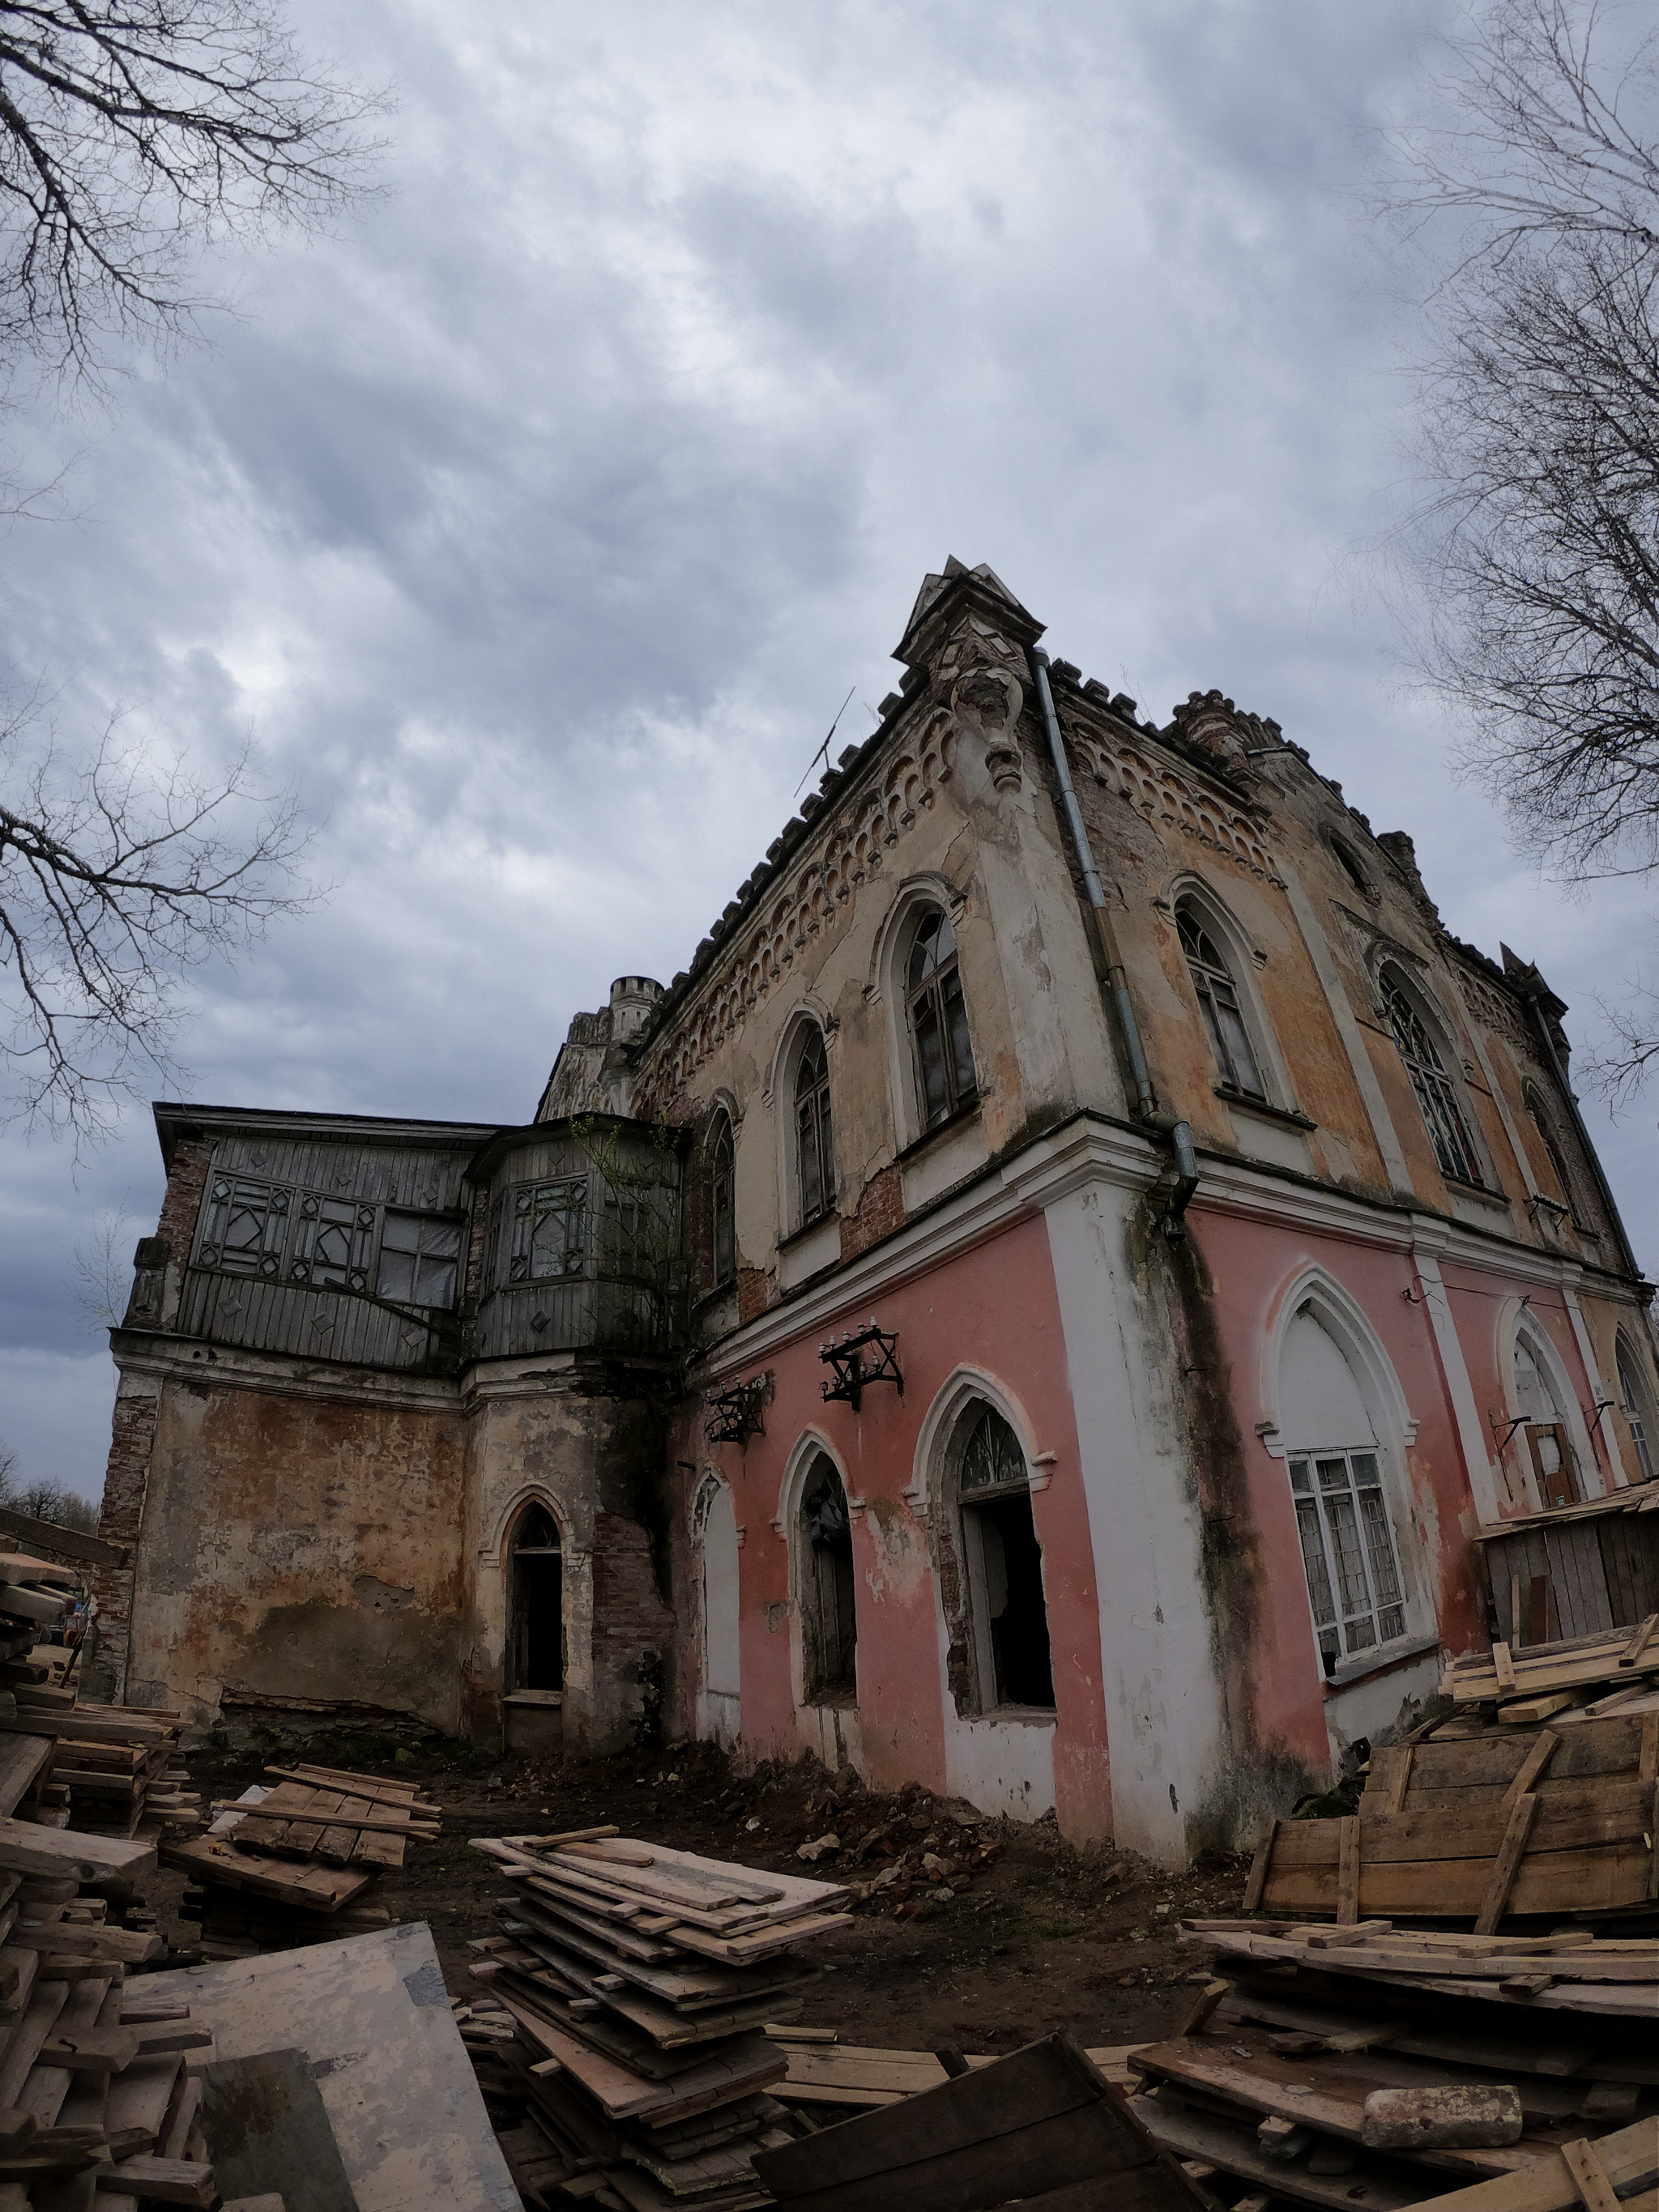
{"type": "Point", "coordinates": [537, 1638]}
{"type": "Point", "coordinates": [828, 1605]}
{"type": "Point", "coordinates": [1011, 1563]}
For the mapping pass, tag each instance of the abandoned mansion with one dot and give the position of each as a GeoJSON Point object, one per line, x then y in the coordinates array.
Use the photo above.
{"type": "Point", "coordinates": [1081, 1295]}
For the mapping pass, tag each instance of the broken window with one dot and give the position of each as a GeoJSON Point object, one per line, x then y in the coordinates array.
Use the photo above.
{"type": "Point", "coordinates": [939, 1024]}
{"type": "Point", "coordinates": [722, 1204]}
{"type": "Point", "coordinates": [244, 1225]}
{"type": "Point", "coordinates": [1543, 1427]}
{"type": "Point", "coordinates": [1015, 1664]}
{"type": "Point", "coordinates": [1436, 1095]}
{"type": "Point", "coordinates": [1347, 1549]}
{"type": "Point", "coordinates": [549, 1230]}
{"type": "Point", "coordinates": [1633, 1399]}
{"type": "Point", "coordinates": [815, 1144]}
{"type": "Point", "coordinates": [1217, 999]}
{"type": "Point", "coordinates": [826, 1589]}
{"type": "Point", "coordinates": [420, 1255]}
{"type": "Point", "coordinates": [1565, 1186]}
{"type": "Point", "coordinates": [535, 1602]}
{"type": "Point", "coordinates": [333, 1242]}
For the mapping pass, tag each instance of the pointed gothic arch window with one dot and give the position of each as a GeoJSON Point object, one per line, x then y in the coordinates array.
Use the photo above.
{"type": "Point", "coordinates": [536, 1603]}
{"type": "Point", "coordinates": [826, 1588]}
{"type": "Point", "coordinates": [1566, 1183]}
{"type": "Point", "coordinates": [1231, 1048]}
{"type": "Point", "coordinates": [815, 1145]}
{"type": "Point", "coordinates": [945, 1081]}
{"type": "Point", "coordinates": [1438, 1100]}
{"type": "Point", "coordinates": [1543, 1427]}
{"type": "Point", "coordinates": [1634, 1402]}
{"type": "Point", "coordinates": [722, 1203]}
{"type": "Point", "coordinates": [1012, 1659]}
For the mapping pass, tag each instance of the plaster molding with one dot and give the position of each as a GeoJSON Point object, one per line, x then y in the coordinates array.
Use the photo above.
{"type": "Point", "coordinates": [965, 1386]}
{"type": "Point", "coordinates": [1614, 1477]}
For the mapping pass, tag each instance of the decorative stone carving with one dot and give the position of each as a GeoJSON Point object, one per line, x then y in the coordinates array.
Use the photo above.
{"type": "Point", "coordinates": [1160, 793]}
{"type": "Point", "coordinates": [986, 701]}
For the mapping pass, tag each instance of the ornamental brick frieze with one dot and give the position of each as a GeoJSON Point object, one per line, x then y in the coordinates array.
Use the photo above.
{"type": "Point", "coordinates": [852, 850]}
{"type": "Point", "coordinates": [1162, 795]}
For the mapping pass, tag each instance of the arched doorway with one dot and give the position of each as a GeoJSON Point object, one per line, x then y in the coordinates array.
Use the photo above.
{"type": "Point", "coordinates": [722, 1677]}
{"type": "Point", "coordinates": [1012, 1662]}
{"type": "Point", "coordinates": [536, 1611]}
{"type": "Point", "coordinates": [827, 1588]}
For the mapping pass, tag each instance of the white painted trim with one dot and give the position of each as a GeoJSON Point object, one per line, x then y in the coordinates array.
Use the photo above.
{"type": "Point", "coordinates": [493, 1550]}
{"type": "Point", "coordinates": [1349, 1326]}
{"type": "Point", "coordinates": [966, 1386]}
{"type": "Point", "coordinates": [1512, 1323]}
{"type": "Point", "coordinates": [1359, 1058]}
{"type": "Point", "coordinates": [1453, 1368]}
{"type": "Point", "coordinates": [1613, 1467]}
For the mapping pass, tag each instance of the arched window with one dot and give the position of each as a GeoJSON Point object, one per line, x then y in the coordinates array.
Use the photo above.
{"type": "Point", "coordinates": [1633, 1399]}
{"type": "Point", "coordinates": [1351, 867]}
{"type": "Point", "coordinates": [826, 1589]}
{"type": "Point", "coordinates": [1566, 1186]}
{"type": "Point", "coordinates": [1217, 999]}
{"type": "Point", "coordinates": [721, 1668]}
{"type": "Point", "coordinates": [536, 1604]}
{"type": "Point", "coordinates": [939, 1023]}
{"type": "Point", "coordinates": [1436, 1095]}
{"type": "Point", "coordinates": [1542, 1425]}
{"type": "Point", "coordinates": [1009, 1616]}
{"type": "Point", "coordinates": [814, 1149]}
{"type": "Point", "coordinates": [1335, 1465]}
{"type": "Point", "coordinates": [722, 1205]}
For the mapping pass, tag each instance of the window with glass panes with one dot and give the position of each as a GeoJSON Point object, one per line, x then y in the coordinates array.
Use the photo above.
{"type": "Point", "coordinates": [815, 1142]}
{"type": "Point", "coordinates": [1436, 1095]}
{"type": "Point", "coordinates": [419, 1255]}
{"type": "Point", "coordinates": [721, 1203]}
{"type": "Point", "coordinates": [1635, 1418]}
{"type": "Point", "coordinates": [550, 1231]}
{"type": "Point", "coordinates": [1217, 999]}
{"type": "Point", "coordinates": [939, 1024]}
{"type": "Point", "coordinates": [1347, 1549]}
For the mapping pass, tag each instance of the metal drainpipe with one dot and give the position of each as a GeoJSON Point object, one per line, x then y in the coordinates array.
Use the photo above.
{"type": "Point", "coordinates": [1541, 1023]}
{"type": "Point", "coordinates": [1179, 1133]}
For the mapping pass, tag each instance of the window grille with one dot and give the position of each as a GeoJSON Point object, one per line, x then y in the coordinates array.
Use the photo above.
{"type": "Point", "coordinates": [993, 1459]}
{"type": "Point", "coordinates": [722, 1204]}
{"type": "Point", "coordinates": [1347, 1550]}
{"type": "Point", "coordinates": [246, 1226]}
{"type": "Point", "coordinates": [815, 1142]}
{"type": "Point", "coordinates": [1217, 999]}
{"type": "Point", "coordinates": [419, 1259]}
{"type": "Point", "coordinates": [333, 1243]}
{"type": "Point", "coordinates": [939, 1024]}
{"type": "Point", "coordinates": [1635, 1418]}
{"type": "Point", "coordinates": [1436, 1097]}
{"type": "Point", "coordinates": [550, 1231]}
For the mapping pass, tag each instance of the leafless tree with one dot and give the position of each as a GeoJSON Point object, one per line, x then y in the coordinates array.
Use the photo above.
{"type": "Point", "coordinates": [116, 876]}
{"type": "Point", "coordinates": [103, 1276]}
{"type": "Point", "coordinates": [1536, 188]}
{"type": "Point", "coordinates": [133, 133]}
{"type": "Point", "coordinates": [8, 1469]}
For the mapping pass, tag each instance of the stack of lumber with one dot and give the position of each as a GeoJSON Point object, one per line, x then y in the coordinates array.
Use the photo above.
{"type": "Point", "coordinates": [1387, 2067]}
{"type": "Point", "coordinates": [824, 2072]}
{"type": "Point", "coordinates": [121, 1768]}
{"type": "Point", "coordinates": [1583, 1678]}
{"type": "Point", "coordinates": [640, 1980]}
{"type": "Point", "coordinates": [1475, 1822]}
{"type": "Point", "coordinates": [91, 2078]}
{"type": "Point", "coordinates": [292, 1864]}
{"type": "Point", "coordinates": [1042, 2129]}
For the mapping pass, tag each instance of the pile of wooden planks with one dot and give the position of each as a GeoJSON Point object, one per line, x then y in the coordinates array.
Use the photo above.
{"type": "Point", "coordinates": [640, 1980]}
{"type": "Point", "coordinates": [1386, 2066]}
{"type": "Point", "coordinates": [290, 1864]}
{"type": "Point", "coordinates": [1583, 1678]}
{"type": "Point", "coordinates": [824, 2072]}
{"type": "Point", "coordinates": [92, 2079]}
{"type": "Point", "coordinates": [1478, 1822]}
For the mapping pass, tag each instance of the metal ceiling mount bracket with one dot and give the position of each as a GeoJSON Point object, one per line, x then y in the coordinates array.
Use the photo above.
{"type": "Point", "coordinates": [853, 1374]}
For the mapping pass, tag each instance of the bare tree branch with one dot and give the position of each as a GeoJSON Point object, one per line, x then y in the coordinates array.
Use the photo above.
{"type": "Point", "coordinates": [1538, 547]}
{"type": "Point", "coordinates": [116, 878]}
{"type": "Point", "coordinates": [134, 133]}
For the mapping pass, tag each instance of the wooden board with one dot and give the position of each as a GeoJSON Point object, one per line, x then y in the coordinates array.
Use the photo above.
{"type": "Point", "coordinates": [622, 2094]}
{"type": "Point", "coordinates": [311, 1889]}
{"type": "Point", "coordinates": [1042, 2119]}
{"type": "Point", "coordinates": [27, 1848]}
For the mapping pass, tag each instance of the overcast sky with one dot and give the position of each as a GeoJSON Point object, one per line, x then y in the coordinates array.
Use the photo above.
{"type": "Point", "coordinates": [537, 524]}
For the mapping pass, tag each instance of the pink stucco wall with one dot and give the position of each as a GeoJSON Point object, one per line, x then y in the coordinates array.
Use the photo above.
{"type": "Point", "coordinates": [994, 1310]}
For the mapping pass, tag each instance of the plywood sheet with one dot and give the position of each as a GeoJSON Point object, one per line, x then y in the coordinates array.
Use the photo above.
{"type": "Point", "coordinates": [373, 2016]}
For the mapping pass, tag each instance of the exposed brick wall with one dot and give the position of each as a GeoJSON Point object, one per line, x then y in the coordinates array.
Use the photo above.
{"type": "Point", "coordinates": [881, 1210]}
{"type": "Point", "coordinates": [633, 1629]}
{"type": "Point", "coordinates": [186, 1181]}
{"type": "Point", "coordinates": [133, 1434]}
{"type": "Point", "coordinates": [756, 1289]}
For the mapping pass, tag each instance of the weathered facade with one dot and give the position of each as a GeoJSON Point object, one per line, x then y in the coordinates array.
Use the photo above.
{"type": "Point", "coordinates": [1200, 1247]}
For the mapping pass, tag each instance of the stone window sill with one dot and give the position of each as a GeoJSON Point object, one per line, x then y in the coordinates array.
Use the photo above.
{"type": "Point", "coordinates": [807, 1228]}
{"type": "Point", "coordinates": [964, 1114]}
{"type": "Point", "coordinates": [1020, 1716]}
{"type": "Point", "coordinates": [1495, 1198]}
{"type": "Point", "coordinates": [533, 1697]}
{"type": "Point", "coordinates": [1379, 1663]}
{"type": "Point", "coordinates": [1291, 1115]}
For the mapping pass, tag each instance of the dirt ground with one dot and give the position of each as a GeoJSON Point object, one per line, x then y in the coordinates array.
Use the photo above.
{"type": "Point", "coordinates": [1033, 1935]}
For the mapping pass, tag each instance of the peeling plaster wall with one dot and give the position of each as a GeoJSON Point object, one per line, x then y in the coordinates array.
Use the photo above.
{"type": "Point", "coordinates": [300, 1547]}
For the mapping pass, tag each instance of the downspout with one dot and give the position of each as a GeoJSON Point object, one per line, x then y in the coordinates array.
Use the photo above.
{"type": "Point", "coordinates": [1541, 1023]}
{"type": "Point", "coordinates": [1178, 1132]}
